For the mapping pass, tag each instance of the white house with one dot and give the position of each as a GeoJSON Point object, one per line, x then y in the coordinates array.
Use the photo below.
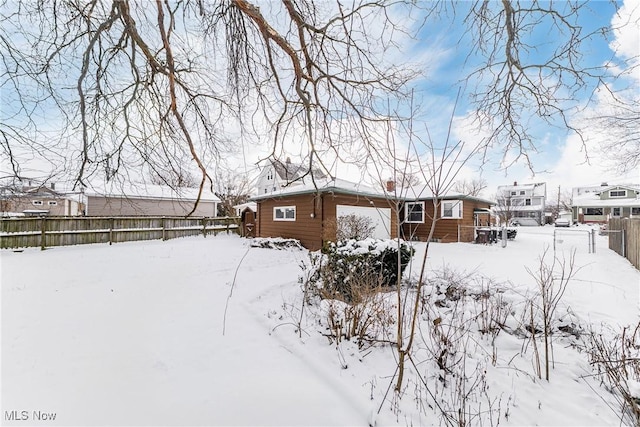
{"type": "Point", "coordinates": [525, 203]}
{"type": "Point", "coordinates": [276, 175]}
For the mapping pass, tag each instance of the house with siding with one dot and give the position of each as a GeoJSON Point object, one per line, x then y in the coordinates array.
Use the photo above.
{"type": "Point", "coordinates": [277, 174]}
{"type": "Point", "coordinates": [147, 200]}
{"type": "Point", "coordinates": [456, 216]}
{"type": "Point", "coordinates": [605, 202]}
{"type": "Point", "coordinates": [309, 213]}
{"type": "Point", "coordinates": [522, 204]}
{"type": "Point", "coordinates": [31, 198]}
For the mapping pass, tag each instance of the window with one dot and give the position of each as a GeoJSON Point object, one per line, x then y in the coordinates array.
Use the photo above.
{"type": "Point", "coordinates": [37, 203]}
{"type": "Point", "coordinates": [452, 209]}
{"type": "Point", "coordinates": [617, 212]}
{"type": "Point", "coordinates": [527, 202]}
{"type": "Point", "coordinates": [593, 211]}
{"type": "Point", "coordinates": [618, 193]}
{"type": "Point", "coordinates": [284, 213]}
{"type": "Point", "coordinates": [414, 212]}
{"type": "Point", "coordinates": [513, 193]}
{"type": "Point", "coordinates": [270, 175]}
{"type": "Point", "coordinates": [522, 192]}
{"type": "Point", "coordinates": [52, 203]}
{"type": "Point", "coordinates": [635, 211]}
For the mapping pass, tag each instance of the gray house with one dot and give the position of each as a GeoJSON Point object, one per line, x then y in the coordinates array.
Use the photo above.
{"type": "Point", "coordinates": [147, 200]}
{"type": "Point", "coordinates": [615, 201]}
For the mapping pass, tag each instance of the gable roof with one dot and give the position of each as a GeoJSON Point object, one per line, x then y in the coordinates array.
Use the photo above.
{"type": "Point", "coordinates": [594, 200]}
{"type": "Point", "coordinates": [358, 189]}
{"type": "Point", "coordinates": [149, 191]}
{"type": "Point", "coordinates": [324, 186]}
{"type": "Point", "coordinates": [288, 171]}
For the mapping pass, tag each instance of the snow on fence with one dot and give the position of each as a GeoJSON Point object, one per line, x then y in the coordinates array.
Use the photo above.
{"type": "Point", "coordinates": [63, 231]}
{"type": "Point", "coordinates": [624, 238]}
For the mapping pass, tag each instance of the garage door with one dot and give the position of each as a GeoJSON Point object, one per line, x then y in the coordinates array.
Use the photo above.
{"type": "Point", "coordinates": [380, 217]}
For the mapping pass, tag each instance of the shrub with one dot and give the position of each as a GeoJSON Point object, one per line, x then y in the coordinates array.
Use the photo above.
{"type": "Point", "coordinates": [374, 260]}
{"type": "Point", "coordinates": [347, 227]}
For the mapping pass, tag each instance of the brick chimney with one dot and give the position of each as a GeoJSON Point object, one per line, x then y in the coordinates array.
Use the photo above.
{"type": "Point", "coordinates": [515, 183]}
{"type": "Point", "coordinates": [391, 185]}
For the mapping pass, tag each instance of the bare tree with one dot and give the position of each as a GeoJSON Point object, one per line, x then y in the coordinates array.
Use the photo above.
{"type": "Point", "coordinates": [470, 187]}
{"type": "Point", "coordinates": [504, 208]}
{"type": "Point", "coordinates": [518, 83]}
{"type": "Point", "coordinates": [139, 82]}
{"type": "Point", "coordinates": [135, 84]}
{"type": "Point", "coordinates": [232, 189]}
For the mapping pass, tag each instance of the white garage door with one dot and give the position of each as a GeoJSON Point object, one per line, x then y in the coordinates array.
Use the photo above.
{"type": "Point", "coordinates": [381, 218]}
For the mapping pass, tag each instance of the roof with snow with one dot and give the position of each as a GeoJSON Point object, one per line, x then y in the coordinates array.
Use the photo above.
{"type": "Point", "coordinates": [292, 171]}
{"type": "Point", "coordinates": [594, 200]}
{"type": "Point", "coordinates": [359, 189]}
{"type": "Point", "coordinates": [149, 191]}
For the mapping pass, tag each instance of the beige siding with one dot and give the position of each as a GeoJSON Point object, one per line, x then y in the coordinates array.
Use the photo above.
{"type": "Point", "coordinates": [111, 206]}
{"type": "Point", "coordinates": [62, 207]}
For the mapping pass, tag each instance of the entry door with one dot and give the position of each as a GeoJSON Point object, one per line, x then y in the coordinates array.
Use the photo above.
{"type": "Point", "coordinates": [380, 217]}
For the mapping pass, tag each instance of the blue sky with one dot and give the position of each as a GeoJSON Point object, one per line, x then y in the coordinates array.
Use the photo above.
{"type": "Point", "coordinates": [442, 50]}
{"type": "Point", "coordinates": [557, 162]}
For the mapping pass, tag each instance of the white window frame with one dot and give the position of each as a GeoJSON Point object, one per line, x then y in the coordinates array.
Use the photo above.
{"type": "Point", "coordinates": [407, 212]}
{"type": "Point", "coordinates": [37, 202]}
{"type": "Point", "coordinates": [613, 209]}
{"type": "Point", "coordinates": [457, 209]}
{"type": "Point", "coordinates": [623, 194]}
{"type": "Point", "coordinates": [284, 213]}
{"type": "Point", "coordinates": [52, 203]}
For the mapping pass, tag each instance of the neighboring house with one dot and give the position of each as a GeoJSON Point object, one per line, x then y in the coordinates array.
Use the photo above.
{"type": "Point", "coordinates": [309, 213]}
{"type": "Point", "coordinates": [616, 201]}
{"type": "Point", "coordinates": [148, 200]}
{"type": "Point", "coordinates": [276, 175]}
{"type": "Point", "coordinates": [30, 198]}
{"type": "Point", "coordinates": [523, 204]}
{"type": "Point", "coordinates": [242, 206]}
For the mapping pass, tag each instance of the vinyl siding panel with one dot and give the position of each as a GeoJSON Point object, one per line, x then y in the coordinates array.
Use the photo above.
{"type": "Point", "coordinates": [113, 206]}
{"type": "Point", "coordinates": [446, 230]}
{"type": "Point", "coordinates": [313, 212]}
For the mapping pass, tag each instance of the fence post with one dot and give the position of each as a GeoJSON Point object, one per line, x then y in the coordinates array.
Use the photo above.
{"type": "Point", "coordinates": [228, 225]}
{"type": "Point", "coordinates": [110, 231]}
{"type": "Point", "coordinates": [204, 226]}
{"type": "Point", "coordinates": [43, 233]}
{"type": "Point", "coordinates": [623, 232]}
{"type": "Point", "coordinates": [164, 231]}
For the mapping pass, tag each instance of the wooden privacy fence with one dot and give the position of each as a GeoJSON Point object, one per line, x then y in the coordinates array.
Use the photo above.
{"type": "Point", "coordinates": [63, 231]}
{"type": "Point", "coordinates": [624, 238]}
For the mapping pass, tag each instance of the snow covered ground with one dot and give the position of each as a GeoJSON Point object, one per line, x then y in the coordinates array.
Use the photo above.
{"type": "Point", "coordinates": [204, 331]}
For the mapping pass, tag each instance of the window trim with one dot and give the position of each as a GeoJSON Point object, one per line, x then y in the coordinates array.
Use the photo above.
{"type": "Point", "coordinates": [284, 210]}
{"type": "Point", "coordinates": [52, 203]}
{"type": "Point", "coordinates": [586, 212]}
{"type": "Point", "coordinates": [454, 203]}
{"type": "Point", "coordinates": [408, 211]}
{"type": "Point", "coordinates": [37, 202]}
{"type": "Point", "coordinates": [624, 194]}
{"type": "Point", "coordinates": [620, 212]}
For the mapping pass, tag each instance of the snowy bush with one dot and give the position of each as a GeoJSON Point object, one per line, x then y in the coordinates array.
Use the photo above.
{"type": "Point", "coordinates": [347, 227]}
{"type": "Point", "coordinates": [374, 261]}
{"type": "Point", "coordinates": [275, 243]}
